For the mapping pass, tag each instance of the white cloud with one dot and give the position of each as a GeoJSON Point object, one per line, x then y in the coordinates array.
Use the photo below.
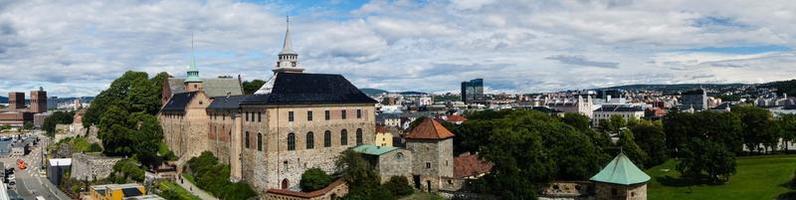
{"type": "Point", "coordinates": [76, 49]}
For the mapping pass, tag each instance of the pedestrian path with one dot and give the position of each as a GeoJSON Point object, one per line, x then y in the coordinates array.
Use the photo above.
{"type": "Point", "coordinates": [194, 190]}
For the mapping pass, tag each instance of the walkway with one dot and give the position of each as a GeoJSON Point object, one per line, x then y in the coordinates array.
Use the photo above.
{"type": "Point", "coordinates": [195, 190]}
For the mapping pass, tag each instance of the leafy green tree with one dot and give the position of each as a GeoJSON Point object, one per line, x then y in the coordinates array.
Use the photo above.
{"type": "Point", "coordinates": [314, 179]}
{"type": "Point", "coordinates": [249, 87]}
{"type": "Point", "coordinates": [758, 127]}
{"type": "Point", "coordinates": [398, 186]}
{"type": "Point", "coordinates": [362, 179]}
{"type": "Point", "coordinates": [631, 149]}
{"type": "Point", "coordinates": [127, 170]}
{"type": "Point", "coordinates": [702, 156]}
{"type": "Point", "coordinates": [787, 125]}
{"type": "Point", "coordinates": [58, 117]}
{"type": "Point", "coordinates": [578, 121]}
{"type": "Point", "coordinates": [612, 125]}
{"type": "Point", "coordinates": [650, 137]}
{"type": "Point", "coordinates": [28, 126]}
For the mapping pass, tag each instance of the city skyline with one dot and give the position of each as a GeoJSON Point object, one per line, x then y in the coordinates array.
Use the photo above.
{"type": "Point", "coordinates": [402, 45]}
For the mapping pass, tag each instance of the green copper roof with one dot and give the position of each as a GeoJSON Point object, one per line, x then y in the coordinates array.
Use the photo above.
{"type": "Point", "coordinates": [621, 171]}
{"type": "Point", "coordinates": [373, 149]}
{"type": "Point", "coordinates": [193, 74]}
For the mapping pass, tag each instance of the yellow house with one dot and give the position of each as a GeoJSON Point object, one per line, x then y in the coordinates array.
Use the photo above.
{"type": "Point", "coordinates": [383, 136]}
{"type": "Point", "coordinates": [116, 191]}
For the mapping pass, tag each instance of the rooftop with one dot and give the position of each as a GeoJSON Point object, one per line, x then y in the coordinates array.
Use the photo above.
{"type": "Point", "coordinates": [429, 129]}
{"type": "Point", "coordinates": [621, 171]}
{"type": "Point", "coordinates": [370, 149]}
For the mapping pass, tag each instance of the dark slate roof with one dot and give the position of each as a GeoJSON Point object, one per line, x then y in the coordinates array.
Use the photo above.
{"type": "Point", "coordinates": [620, 108]}
{"type": "Point", "coordinates": [231, 102]}
{"type": "Point", "coordinates": [178, 102]}
{"type": "Point", "coordinates": [303, 88]}
{"type": "Point", "coordinates": [213, 87]}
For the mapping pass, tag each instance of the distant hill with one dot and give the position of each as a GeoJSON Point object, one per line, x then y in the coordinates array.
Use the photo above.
{"type": "Point", "coordinates": [788, 87]}
{"type": "Point", "coordinates": [670, 88]}
{"type": "Point", "coordinates": [372, 91]}
{"type": "Point", "coordinates": [412, 93]}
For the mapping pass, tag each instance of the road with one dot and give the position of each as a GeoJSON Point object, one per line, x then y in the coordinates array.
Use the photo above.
{"type": "Point", "coordinates": [32, 182]}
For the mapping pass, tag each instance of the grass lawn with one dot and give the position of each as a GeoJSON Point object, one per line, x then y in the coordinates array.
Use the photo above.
{"type": "Point", "coordinates": [189, 177]}
{"type": "Point", "coordinates": [179, 191]}
{"type": "Point", "coordinates": [757, 177]}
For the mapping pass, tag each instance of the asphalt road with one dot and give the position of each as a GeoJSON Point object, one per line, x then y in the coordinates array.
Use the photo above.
{"type": "Point", "coordinates": [30, 182]}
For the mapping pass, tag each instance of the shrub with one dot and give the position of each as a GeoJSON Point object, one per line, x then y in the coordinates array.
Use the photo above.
{"type": "Point", "coordinates": [398, 186]}
{"type": "Point", "coordinates": [213, 177]}
{"type": "Point", "coordinates": [314, 179]}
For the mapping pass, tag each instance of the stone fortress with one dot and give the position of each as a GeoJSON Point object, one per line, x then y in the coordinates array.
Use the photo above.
{"type": "Point", "coordinates": [296, 121]}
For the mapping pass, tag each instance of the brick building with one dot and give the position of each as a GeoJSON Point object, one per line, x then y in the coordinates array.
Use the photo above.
{"type": "Point", "coordinates": [17, 114]}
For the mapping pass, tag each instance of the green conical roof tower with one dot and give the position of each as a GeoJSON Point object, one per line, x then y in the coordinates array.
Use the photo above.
{"type": "Point", "coordinates": [193, 72]}
{"type": "Point", "coordinates": [621, 171]}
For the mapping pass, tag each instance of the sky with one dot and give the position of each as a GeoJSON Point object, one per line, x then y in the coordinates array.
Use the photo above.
{"type": "Point", "coordinates": [77, 48]}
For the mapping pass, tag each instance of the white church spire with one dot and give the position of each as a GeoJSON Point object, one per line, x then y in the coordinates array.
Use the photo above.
{"type": "Point", "coordinates": [288, 59]}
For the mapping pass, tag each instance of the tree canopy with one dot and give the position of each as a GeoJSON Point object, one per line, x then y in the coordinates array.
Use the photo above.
{"type": "Point", "coordinates": [249, 87]}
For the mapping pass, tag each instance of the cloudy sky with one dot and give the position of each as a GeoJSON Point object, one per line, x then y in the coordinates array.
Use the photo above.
{"type": "Point", "coordinates": [76, 48]}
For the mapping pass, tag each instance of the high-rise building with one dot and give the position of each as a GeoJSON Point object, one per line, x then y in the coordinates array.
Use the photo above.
{"type": "Point", "coordinates": [16, 101]}
{"type": "Point", "coordinates": [38, 101]}
{"type": "Point", "coordinates": [473, 91]}
{"type": "Point", "coordinates": [696, 99]}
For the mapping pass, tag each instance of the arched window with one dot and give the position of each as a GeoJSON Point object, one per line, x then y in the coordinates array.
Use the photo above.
{"type": "Point", "coordinates": [259, 142]}
{"type": "Point", "coordinates": [327, 139]}
{"type": "Point", "coordinates": [285, 184]}
{"type": "Point", "coordinates": [291, 141]}
{"type": "Point", "coordinates": [359, 136]}
{"type": "Point", "coordinates": [344, 137]}
{"type": "Point", "coordinates": [310, 140]}
{"type": "Point", "coordinates": [247, 139]}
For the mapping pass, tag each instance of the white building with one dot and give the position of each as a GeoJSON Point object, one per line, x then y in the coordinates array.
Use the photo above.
{"type": "Point", "coordinates": [626, 111]}
{"type": "Point", "coordinates": [580, 106]}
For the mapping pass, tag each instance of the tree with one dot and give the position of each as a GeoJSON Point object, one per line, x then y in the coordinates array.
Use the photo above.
{"type": "Point", "coordinates": [362, 179]}
{"type": "Point", "coordinates": [578, 121]}
{"type": "Point", "coordinates": [28, 126]}
{"type": "Point", "coordinates": [249, 87]}
{"type": "Point", "coordinates": [612, 125]}
{"type": "Point", "coordinates": [398, 186]}
{"type": "Point", "coordinates": [787, 125]}
{"type": "Point", "coordinates": [58, 117]}
{"type": "Point", "coordinates": [650, 137]}
{"type": "Point", "coordinates": [314, 179]}
{"type": "Point", "coordinates": [703, 156]}
{"type": "Point", "coordinates": [631, 149]}
{"type": "Point", "coordinates": [758, 127]}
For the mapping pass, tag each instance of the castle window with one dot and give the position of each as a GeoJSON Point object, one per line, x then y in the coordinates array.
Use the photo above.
{"type": "Point", "coordinates": [310, 140]}
{"type": "Point", "coordinates": [259, 117]}
{"type": "Point", "coordinates": [428, 165]}
{"type": "Point", "coordinates": [309, 115]}
{"type": "Point", "coordinates": [290, 116]}
{"type": "Point", "coordinates": [344, 137]}
{"type": "Point", "coordinates": [259, 142]}
{"type": "Point", "coordinates": [359, 114]}
{"type": "Point", "coordinates": [291, 141]}
{"type": "Point", "coordinates": [247, 116]}
{"type": "Point", "coordinates": [327, 139]}
{"type": "Point", "coordinates": [328, 115]}
{"type": "Point", "coordinates": [359, 136]}
{"type": "Point", "coordinates": [614, 192]}
{"type": "Point", "coordinates": [247, 139]}
{"type": "Point", "coordinates": [343, 114]}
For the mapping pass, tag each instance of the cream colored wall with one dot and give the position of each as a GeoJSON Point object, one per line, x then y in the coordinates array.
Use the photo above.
{"type": "Point", "coordinates": [185, 133]}
{"type": "Point", "coordinates": [384, 139]}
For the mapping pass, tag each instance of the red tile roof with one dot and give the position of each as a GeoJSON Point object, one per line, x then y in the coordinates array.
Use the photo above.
{"type": "Point", "coordinates": [456, 118]}
{"type": "Point", "coordinates": [469, 165]}
{"type": "Point", "coordinates": [429, 129]}
{"type": "Point", "coordinates": [307, 195]}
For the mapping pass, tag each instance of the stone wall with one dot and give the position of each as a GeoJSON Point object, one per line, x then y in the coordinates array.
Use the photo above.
{"type": "Point", "coordinates": [604, 191]}
{"type": "Point", "coordinates": [395, 163]}
{"type": "Point", "coordinates": [92, 167]}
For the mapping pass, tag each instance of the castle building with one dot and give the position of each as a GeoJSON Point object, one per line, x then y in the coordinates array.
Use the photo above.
{"type": "Point", "coordinates": [295, 122]}
{"type": "Point", "coordinates": [696, 99]}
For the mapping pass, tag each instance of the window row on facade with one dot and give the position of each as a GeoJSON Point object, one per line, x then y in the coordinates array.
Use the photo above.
{"type": "Point", "coordinates": [309, 139]}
